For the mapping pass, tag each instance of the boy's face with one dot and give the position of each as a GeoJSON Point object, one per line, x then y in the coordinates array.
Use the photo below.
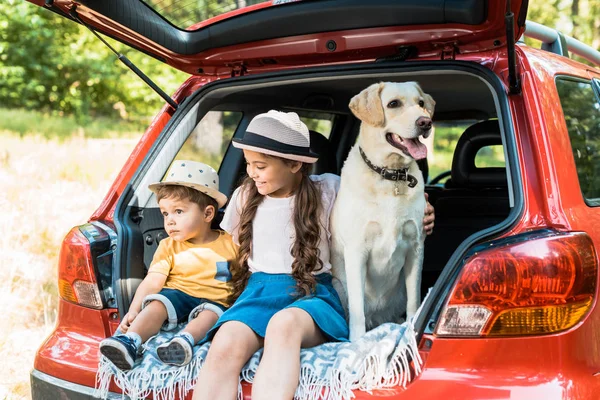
{"type": "Point", "coordinates": [184, 220]}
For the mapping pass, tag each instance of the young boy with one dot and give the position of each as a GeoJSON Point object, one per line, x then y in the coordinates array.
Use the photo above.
{"type": "Point", "coordinates": [189, 273]}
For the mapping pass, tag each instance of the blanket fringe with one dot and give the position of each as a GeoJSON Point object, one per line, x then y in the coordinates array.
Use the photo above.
{"type": "Point", "coordinates": [140, 384]}
{"type": "Point", "coordinates": [375, 371]}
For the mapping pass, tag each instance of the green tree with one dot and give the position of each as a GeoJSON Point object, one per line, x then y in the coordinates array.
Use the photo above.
{"type": "Point", "coordinates": [49, 63]}
{"type": "Point", "coordinates": [577, 18]}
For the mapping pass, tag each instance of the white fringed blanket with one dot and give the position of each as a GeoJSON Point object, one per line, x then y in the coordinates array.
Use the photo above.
{"type": "Point", "coordinates": [385, 357]}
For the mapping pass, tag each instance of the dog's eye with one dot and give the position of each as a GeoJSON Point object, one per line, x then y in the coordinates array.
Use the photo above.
{"type": "Point", "coordinates": [394, 104]}
{"type": "Point", "coordinates": [421, 103]}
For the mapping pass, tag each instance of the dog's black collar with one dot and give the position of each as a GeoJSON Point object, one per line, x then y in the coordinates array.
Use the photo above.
{"type": "Point", "coordinates": [391, 174]}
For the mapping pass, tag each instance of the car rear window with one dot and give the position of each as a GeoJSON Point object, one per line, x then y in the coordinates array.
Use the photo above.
{"type": "Point", "coordinates": [320, 122]}
{"type": "Point", "coordinates": [184, 13]}
{"type": "Point", "coordinates": [441, 145]}
{"type": "Point", "coordinates": [582, 115]}
{"type": "Point", "coordinates": [210, 138]}
{"type": "Point", "coordinates": [490, 156]}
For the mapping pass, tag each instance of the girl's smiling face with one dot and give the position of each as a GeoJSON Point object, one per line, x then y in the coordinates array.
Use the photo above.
{"type": "Point", "coordinates": [272, 175]}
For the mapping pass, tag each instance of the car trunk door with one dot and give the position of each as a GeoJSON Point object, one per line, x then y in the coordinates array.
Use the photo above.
{"type": "Point", "coordinates": [248, 36]}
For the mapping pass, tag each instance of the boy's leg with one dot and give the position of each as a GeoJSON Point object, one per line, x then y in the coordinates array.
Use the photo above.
{"type": "Point", "coordinates": [232, 346]}
{"type": "Point", "coordinates": [199, 326]}
{"type": "Point", "coordinates": [180, 349]}
{"type": "Point", "coordinates": [279, 370]}
{"type": "Point", "coordinates": [122, 349]}
{"type": "Point", "coordinates": [149, 320]}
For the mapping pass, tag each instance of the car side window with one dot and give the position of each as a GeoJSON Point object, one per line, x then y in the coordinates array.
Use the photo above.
{"type": "Point", "coordinates": [320, 122]}
{"type": "Point", "coordinates": [441, 145]}
{"type": "Point", "coordinates": [490, 156]}
{"type": "Point", "coordinates": [209, 139]}
{"type": "Point", "coordinates": [581, 110]}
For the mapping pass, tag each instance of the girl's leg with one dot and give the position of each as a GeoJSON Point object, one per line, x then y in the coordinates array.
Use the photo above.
{"type": "Point", "coordinates": [231, 348]}
{"type": "Point", "coordinates": [149, 320]}
{"type": "Point", "coordinates": [201, 324]}
{"type": "Point", "coordinates": [279, 370]}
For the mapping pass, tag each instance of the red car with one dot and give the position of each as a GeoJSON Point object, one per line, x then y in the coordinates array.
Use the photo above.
{"type": "Point", "coordinates": [512, 260]}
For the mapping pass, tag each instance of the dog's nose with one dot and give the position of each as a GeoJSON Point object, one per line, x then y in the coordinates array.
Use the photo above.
{"type": "Point", "coordinates": [424, 123]}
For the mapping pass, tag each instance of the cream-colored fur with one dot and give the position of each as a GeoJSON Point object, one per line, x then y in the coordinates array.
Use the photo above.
{"type": "Point", "coordinates": [377, 224]}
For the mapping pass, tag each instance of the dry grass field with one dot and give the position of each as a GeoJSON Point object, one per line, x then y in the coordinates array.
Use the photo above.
{"type": "Point", "coordinates": [46, 187]}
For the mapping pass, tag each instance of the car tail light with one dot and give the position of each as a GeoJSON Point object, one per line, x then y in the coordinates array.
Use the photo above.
{"type": "Point", "coordinates": [77, 268]}
{"type": "Point", "coordinates": [540, 285]}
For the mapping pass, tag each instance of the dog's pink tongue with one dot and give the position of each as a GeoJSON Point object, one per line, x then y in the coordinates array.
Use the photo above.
{"type": "Point", "coordinates": [415, 148]}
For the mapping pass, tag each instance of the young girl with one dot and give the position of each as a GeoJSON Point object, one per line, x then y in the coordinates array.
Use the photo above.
{"type": "Point", "coordinates": [280, 219]}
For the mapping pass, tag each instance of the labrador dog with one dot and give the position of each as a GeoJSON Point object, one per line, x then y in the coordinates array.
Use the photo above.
{"type": "Point", "coordinates": [377, 219]}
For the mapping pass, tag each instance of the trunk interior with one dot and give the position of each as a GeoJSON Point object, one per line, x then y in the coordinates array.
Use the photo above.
{"type": "Point", "coordinates": [474, 155]}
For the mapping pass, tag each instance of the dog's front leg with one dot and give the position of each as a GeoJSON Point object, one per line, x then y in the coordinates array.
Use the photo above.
{"type": "Point", "coordinates": [355, 258]}
{"type": "Point", "coordinates": [412, 275]}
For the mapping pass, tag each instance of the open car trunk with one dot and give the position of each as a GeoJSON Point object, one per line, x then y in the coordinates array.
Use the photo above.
{"type": "Point", "coordinates": [475, 205]}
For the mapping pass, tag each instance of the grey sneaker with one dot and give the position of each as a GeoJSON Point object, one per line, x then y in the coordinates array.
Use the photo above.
{"type": "Point", "coordinates": [178, 351]}
{"type": "Point", "coordinates": [120, 350]}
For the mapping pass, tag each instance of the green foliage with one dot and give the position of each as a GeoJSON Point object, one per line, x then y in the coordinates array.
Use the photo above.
{"type": "Point", "coordinates": [580, 106]}
{"type": "Point", "coordinates": [577, 18]}
{"type": "Point", "coordinates": [55, 66]}
{"type": "Point", "coordinates": [190, 150]}
{"type": "Point", "coordinates": [184, 14]}
{"type": "Point", "coordinates": [446, 136]}
{"type": "Point", "coordinates": [50, 64]}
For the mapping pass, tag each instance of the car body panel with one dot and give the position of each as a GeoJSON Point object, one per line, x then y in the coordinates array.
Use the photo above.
{"type": "Point", "coordinates": [71, 350]}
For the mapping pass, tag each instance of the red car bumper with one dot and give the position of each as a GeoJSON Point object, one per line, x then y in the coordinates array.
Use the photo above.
{"type": "Point", "coordinates": [562, 366]}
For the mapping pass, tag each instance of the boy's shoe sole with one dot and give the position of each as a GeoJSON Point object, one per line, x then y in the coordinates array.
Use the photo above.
{"type": "Point", "coordinates": [176, 352]}
{"type": "Point", "coordinates": [117, 353]}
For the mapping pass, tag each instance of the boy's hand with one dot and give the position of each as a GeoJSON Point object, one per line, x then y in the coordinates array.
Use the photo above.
{"type": "Point", "coordinates": [127, 320]}
{"type": "Point", "coordinates": [428, 220]}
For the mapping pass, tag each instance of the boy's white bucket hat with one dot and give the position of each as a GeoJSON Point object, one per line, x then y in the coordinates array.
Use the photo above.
{"type": "Point", "coordinates": [195, 175]}
{"type": "Point", "coordinates": [280, 134]}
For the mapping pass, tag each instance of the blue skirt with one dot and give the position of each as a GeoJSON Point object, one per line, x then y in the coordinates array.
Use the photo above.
{"type": "Point", "coordinates": [266, 294]}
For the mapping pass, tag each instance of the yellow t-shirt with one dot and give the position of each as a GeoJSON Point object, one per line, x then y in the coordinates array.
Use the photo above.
{"type": "Point", "coordinates": [198, 270]}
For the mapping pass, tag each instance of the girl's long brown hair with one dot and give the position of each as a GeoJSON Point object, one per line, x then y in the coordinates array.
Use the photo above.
{"type": "Point", "coordinates": [307, 226]}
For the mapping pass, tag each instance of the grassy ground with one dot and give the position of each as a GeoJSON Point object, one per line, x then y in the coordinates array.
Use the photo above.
{"type": "Point", "coordinates": [47, 186]}
{"type": "Point", "coordinates": [24, 122]}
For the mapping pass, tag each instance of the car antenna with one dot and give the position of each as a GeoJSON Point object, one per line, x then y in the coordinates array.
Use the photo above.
{"type": "Point", "coordinates": [129, 64]}
{"type": "Point", "coordinates": [514, 84]}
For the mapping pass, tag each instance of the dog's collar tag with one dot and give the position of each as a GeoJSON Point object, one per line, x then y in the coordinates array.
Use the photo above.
{"type": "Point", "coordinates": [391, 174]}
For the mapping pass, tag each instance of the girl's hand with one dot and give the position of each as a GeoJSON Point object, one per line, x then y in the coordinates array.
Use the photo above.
{"type": "Point", "coordinates": [428, 220]}
{"type": "Point", "coordinates": [127, 320]}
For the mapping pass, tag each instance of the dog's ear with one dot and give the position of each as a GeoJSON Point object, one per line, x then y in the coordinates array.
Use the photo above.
{"type": "Point", "coordinates": [429, 104]}
{"type": "Point", "coordinates": [367, 106]}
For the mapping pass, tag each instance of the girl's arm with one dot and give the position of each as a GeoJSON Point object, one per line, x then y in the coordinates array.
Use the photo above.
{"type": "Point", "coordinates": [231, 219]}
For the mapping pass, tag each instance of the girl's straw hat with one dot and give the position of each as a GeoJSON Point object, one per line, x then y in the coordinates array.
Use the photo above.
{"type": "Point", "coordinates": [278, 134]}
{"type": "Point", "coordinates": [195, 175]}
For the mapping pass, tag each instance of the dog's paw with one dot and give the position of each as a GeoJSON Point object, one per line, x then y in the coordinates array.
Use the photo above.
{"type": "Point", "coordinates": [356, 332]}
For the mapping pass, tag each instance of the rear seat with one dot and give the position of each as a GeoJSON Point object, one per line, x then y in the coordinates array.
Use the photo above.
{"type": "Point", "coordinates": [474, 199]}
